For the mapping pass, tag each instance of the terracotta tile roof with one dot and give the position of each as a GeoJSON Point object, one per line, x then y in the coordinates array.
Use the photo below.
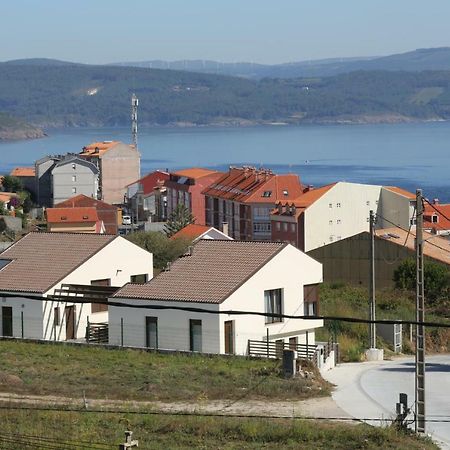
{"type": "Point", "coordinates": [152, 180]}
{"type": "Point", "coordinates": [401, 191]}
{"type": "Point", "coordinates": [250, 185]}
{"type": "Point", "coordinates": [442, 212]}
{"type": "Point", "coordinates": [41, 260]}
{"type": "Point", "coordinates": [7, 196]}
{"type": "Point", "coordinates": [106, 212]}
{"type": "Point", "coordinates": [23, 172]}
{"type": "Point", "coordinates": [71, 215]}
{"type": "Point", "coordinates": [436, 247]}
{"type": "Point", "coordinates": [191, 231]}
{"type": "Point", "coordinates": [213, 271]}
{"type": "Point", "coordinates": [195, 172]}
{"type": "Point", "coordinates": [98, 148]}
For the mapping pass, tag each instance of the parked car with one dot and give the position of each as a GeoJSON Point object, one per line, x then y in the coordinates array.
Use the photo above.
{"type": "Point", "coordinates": [126, 220]}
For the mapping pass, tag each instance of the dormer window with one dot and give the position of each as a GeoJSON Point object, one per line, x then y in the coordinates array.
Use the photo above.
{"type": "Point", "coordinates": [434, 218]}
{"type": "Point", "coordinates": [63, 217]}
{"type": "Point", "coordinates": [267, 194]}
{"type": "Point", "coordinates": [285, 193]}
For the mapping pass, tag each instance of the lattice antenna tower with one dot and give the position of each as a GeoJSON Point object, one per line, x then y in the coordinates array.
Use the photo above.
{"type": "Point", "coordinates": [134, 126]}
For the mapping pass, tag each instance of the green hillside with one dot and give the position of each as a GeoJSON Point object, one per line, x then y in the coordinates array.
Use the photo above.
{"type": "Point", "coordinates": [12, 128]}
{"type": "Point", "coordinates": [63, 95]}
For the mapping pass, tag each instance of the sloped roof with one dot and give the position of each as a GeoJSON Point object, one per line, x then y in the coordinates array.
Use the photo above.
{"type": "Point", "coordinates": [70, 159]}
{"type": "Point", "coordinates": [41, 260]}
{"type": "Point", "coordinates": [191, 231]}
{"type": "Point", "coordinates": [152, 180]}
{"type": "Point", "coordinates": [23, 172]}
{"type": "Point", "coordinates": [106, 212]}
{"type": "Point", "coordinates": [401, 191]}
{"type": "Point", "coordinates": [250, 185]}
{"type": "Point", "coordinates": [71, 215]}
{"type": "Point", "coordinates": [98, 148]}
{"type": "Point", "coordinates": [194, 172]}
{"type": "Point", "coordinates": [7, 196]}
{"type": "Point", "coordinates": [210, 275]}
{"type": "Point", "coordinates": [443, 213]}
{"type": "Point", "coordinates": [435, 247]}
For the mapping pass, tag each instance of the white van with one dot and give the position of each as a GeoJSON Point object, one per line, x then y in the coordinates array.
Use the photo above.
{"type": "Point", "coordinates": [126, 220]}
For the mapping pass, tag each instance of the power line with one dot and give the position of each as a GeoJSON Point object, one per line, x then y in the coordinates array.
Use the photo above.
{"type": "Point", "coordinates": [232, 312]}
{"type": "Point", "coordinates": [210, 414]}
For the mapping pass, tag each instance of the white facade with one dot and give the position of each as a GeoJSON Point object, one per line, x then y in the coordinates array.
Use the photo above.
{"type": "Point", "coordinates": [289, 270]}
{"type": "Point", "coordinates": [117, 261]}
{"type": "Point", "coordinates": [341, 212]}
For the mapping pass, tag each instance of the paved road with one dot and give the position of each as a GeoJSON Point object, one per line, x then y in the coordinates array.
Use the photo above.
{"type": "Point", "coordinates": [370, 390]}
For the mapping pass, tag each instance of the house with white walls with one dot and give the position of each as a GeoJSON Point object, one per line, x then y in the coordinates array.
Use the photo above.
{"type": "Point", "coordinates": [330, 213]}
{"type": "Point", "coordinates": [221, 275]}
{"type": "Point", "coordinates": [40, 263]}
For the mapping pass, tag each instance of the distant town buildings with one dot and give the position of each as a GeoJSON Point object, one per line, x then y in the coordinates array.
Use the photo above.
{"type": "Point", "coordinates": [185, 187]}
{"type": "Point", "coordinates": [74, 220]}
{"type": "Point", "coordinates": [330, 213]}
{"type": "Point", "coordinates": [119, 165]}
{"type": "Point", "coordinates": [244, 197]}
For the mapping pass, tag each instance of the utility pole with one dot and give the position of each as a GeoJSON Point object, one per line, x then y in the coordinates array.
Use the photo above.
{"type": "Point", "coordinates": [420, 317]}
{"type": "Point", "coordinates": [372, 309]}
{"type": "Point", "coordinates": [129, 442]}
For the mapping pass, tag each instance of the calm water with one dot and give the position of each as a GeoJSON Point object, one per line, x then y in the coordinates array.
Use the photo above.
{"type": "Point", "coordinates": [407, 155]}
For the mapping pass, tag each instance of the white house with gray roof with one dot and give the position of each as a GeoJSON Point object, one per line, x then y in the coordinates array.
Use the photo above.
{"type": "Point", "coordinates": [40, 263]}
{"type": "Point", "coordinates": [218, 276]}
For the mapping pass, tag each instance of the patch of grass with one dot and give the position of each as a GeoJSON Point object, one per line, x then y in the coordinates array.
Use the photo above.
{"type": "Point", "coordinates": [65, 370]}
{"type": "Point", "coordinates": [162, 432]}
{"type": "Point", "coordinates": [338, 299]}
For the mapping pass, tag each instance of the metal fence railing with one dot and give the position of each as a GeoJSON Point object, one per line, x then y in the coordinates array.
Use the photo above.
{"type": "Point", "coordinates": [274, 349]}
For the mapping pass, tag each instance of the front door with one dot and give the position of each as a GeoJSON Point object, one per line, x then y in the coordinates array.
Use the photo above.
{"type": "Point", "coordinates": [151, 332]}
{"type": "Point", "coordinates": [229, 337]}
{"type": "Point", "coordinates": [7, 321]}
{"type": "Point", "coordinates": [70, 322]}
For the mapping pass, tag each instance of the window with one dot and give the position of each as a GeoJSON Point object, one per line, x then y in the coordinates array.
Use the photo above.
{"type": "Point", "coordinates": [141, 278]}
{"type": "Point", "coordinates": [74, 166]}
{"type": "Point", "coordinates": [74, 190]}
{"type": "Point", "coordinates": [259, 227]}
{"type": "Point", "coordinates": [293, 343]}
{"type": "Point", "coordinates": [292, 227]}
{"type": "Point", "coordinates": [56, 316]}
{"type": "Point", "coordinates": [285, 226]}
{"type": "Point", "coordinates": [273, 305]}
{"type": "Point", "coordinates": [338, 221]}
{"type": "Point", "coordinates": [98, 307]}
{"type": "Point", "coordinates": [267, 194]}
{"type": "Point", "coordinates": [74, 178]}
{"type": "Point", "coordinates": [434, 218]}
{"type": "Point", "coordinates": [338, 205]}
{"type": "Point", "coordinates": [279, 347]}
{"type": "Point", "coordinates": [195, 335]}
{"type": "Point", "coordinates": [278, 226]}
{"type": "Point", "coordinates": [368, 203]}
{"type": "Point", "coordinates": [151, 332]}
{"type": "Point", "coordinates": [310, 299]}
{"type": "Point", "coordinates": [330, 205]}
{"type": "Point", "coordinates": [331, 238]}
{"type": "Point", "coordinates": [330, 222]}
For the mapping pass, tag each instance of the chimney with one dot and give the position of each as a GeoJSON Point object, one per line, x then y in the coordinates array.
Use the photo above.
{"type": "Point", "coordinates": [308, 188]}
{"type": "Point", "coordinates": [435, 201]}
{"type": "Point", "coordinates": [225, 228]}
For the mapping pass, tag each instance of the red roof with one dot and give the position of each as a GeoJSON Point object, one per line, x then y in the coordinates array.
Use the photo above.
{"type": "Point", "coordinates": [250, 185]}
{"type": "Point", "coordinates": [191, 231]}
{"type": "Point", "coordinates": [442, 210]}
{"type": "Point", "coordinates": [71, 215]}
{"type": "Point", "coordinates": [106, 212]}
{"type": "Point", "coordinates": [401, 191]}
{"type": "Point", "coordinates": [152, 180]}
{"type": "Point", "coordinates": [98, 148]}
{"type": "Point", "coordinates": [195, 172]}
{"type": "Point", "coordinates": [23, 172]}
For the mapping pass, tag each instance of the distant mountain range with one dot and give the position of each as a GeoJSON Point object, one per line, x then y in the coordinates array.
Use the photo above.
{"type": "Point", "coordinates": [417, 61]}
{"type": "Point", "coordinates": [49, 93]}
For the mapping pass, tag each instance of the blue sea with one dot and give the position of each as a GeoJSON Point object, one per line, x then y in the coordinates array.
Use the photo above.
{"type": "Point", "coordinates": [407, 155]}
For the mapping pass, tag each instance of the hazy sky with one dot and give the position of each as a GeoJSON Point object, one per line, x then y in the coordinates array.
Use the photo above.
{"type": "Point", "coordinates": [101, 31]}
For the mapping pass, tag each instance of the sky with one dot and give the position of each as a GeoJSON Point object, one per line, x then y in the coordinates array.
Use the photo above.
{"type": "Point", "coordinates": [262, 31]}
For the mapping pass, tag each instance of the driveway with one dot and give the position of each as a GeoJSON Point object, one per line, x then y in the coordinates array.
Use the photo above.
{"type": "Point", "coordinates": [371, 389]}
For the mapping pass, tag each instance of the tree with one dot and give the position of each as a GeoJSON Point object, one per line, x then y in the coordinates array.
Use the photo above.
{"type": "Point", "coordinates": [436, 279]}
{"type": "Point", "coordinates": [178, 219]}
{"type": "Point", "coordinates": [12, 184]}
{"type": "Point", "coordinates": [164, 249]}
